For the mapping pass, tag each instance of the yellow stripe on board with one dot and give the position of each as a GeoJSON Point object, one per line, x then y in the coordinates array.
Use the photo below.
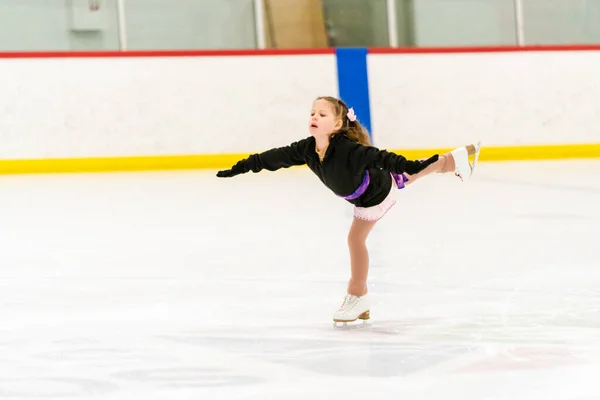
{"type": "Point", "coordinates": [222, 161]}
{"type": "Point", "coordinates": [119, 164]}
{"type": "Point", "coordinates": [518, 153]}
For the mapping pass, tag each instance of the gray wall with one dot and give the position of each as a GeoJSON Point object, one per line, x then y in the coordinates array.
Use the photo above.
{"type": "Point", "coordinates": [190, 24]}
{"type": "Point", "coordinates": [492, 22]}
{"type": "Point", "coordinates": [46, 25]}
{"type": "Point", "coordinates": [210, 24]}
{"type": "Point", "coordinates": [151, 24]}
{"type": "Point", "coordinates": [562, 21]}
{"type": "Point", "coordinates": [463, 22]}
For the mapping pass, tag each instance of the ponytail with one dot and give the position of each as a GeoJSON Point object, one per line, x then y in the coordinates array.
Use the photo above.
{"type": "Point", "coordinates": [357, 132]}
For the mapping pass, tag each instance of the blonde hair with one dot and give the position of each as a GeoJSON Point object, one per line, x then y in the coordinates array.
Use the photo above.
{"type": "Point", "coordinates": [353, 129]}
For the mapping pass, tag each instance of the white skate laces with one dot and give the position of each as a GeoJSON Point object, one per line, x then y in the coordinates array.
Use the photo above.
{"type": "Point", "coordinates": [464, 169]}
{"type": "Point", "coordinates": [353, 308]}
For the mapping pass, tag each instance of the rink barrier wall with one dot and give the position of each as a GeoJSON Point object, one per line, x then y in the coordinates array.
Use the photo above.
{"type": "Point", "coordinates": [218, 161]}
{"type": "Point", "coordinates": [355, 75]}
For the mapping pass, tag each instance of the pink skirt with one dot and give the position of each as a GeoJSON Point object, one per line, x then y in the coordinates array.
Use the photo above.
{"type": "Point", "coordinates": [375, 213]}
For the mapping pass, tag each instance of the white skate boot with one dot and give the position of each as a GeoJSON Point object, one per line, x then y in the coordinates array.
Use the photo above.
{"type": "Point", "coordinates": [353, 308]}
{"type": "Point", "coordinates": [464, 169]}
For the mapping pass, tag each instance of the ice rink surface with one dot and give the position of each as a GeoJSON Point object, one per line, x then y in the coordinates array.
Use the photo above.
{"type": "Point", "coordinates": [179, 285]}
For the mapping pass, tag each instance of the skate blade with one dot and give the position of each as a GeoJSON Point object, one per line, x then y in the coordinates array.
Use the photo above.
{"type": "Point", "coordinates": [350, 326]}
{"type": "Point", "coordinates": [361, 320]}
{"type": "Point", "coordinates": [471, 165]}
{"type": "Point", "coordinates": [477, 150]}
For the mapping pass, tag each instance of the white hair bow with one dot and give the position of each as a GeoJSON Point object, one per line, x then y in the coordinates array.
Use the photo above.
{"type": "Point", "coordinates": [351, 115]}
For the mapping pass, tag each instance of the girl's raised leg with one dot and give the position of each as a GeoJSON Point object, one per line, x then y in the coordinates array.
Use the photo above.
{"type": "Point", "coordinates": [448, 162]}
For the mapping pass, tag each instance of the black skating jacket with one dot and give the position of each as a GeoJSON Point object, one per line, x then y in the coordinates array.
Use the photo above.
{"type": "Point", "coordinates": [342, 169]}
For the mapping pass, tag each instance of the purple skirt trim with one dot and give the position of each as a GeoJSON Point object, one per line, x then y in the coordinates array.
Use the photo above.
{"type": "Point", "coordinates": [361, 189]}
{"type": "Point", "coordinates": [399, 178]}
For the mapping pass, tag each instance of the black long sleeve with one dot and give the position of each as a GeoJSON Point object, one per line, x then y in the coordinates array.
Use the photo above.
{"type": "Point", "coordinates": [276, 158]}
{"type": "Point", "coordinates": [369, 156]}
{"type": "Point", "coordinates": [342, 170]}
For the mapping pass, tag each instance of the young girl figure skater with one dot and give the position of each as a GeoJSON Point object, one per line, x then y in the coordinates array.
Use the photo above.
{"type": "Point", "coordinates": [339, 152]}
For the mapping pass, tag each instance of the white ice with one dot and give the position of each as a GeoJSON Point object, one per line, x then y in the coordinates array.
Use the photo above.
{"type": "Point", "coordinates": [179, 285]}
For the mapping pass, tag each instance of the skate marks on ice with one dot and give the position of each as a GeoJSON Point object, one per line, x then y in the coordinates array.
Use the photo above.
{"type": "Point", "coordinates": [383, 327]}
{"type": "Point", "coordinates": [24, 376]}
{"type": "Point", "coordinates": [82, 367]}
{"type": "Point", "coordinates": [242, 358]}
{"type": "Point", "coordinates": [51, 387]}
{"type": "Point", "coordinates": [176, 378]}
{"type": "Point", "coordinates": [29, 370]}
{"type": "Point", "coordinates": [325, 352]}
{"type": "Point", "coordinates": [474, 345]}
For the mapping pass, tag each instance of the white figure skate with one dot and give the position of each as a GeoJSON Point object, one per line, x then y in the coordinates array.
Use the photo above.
{"type": "Point", "coordinates": [464, 169]}
{"type": "Point", "coordinates": [353, 308]}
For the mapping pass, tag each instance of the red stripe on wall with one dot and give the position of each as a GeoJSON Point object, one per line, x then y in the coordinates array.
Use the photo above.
{"type": "Point", "coordinates": [285, 52]}
{"type": "Point", "coordinates": [480, 49]}
{"type": "Point", "coordinates": [163, 53]}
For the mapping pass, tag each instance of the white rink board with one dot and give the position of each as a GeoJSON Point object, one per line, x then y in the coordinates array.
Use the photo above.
{"type": "Point", "coordinates": [520, 98]}
{"type": "Point", "coordinates": [90, 107]}
{"type": "Point", "coordinates": [103, 107]}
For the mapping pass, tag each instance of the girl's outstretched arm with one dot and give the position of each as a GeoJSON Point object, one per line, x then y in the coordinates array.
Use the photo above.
{"type": "Point", "coordinates": [370, 156]}
{"type": "Point", "coordinates": [271, 160]}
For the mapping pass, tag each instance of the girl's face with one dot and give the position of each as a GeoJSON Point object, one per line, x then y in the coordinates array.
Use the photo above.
{"type": "Point", "coordinates": [323, 120]}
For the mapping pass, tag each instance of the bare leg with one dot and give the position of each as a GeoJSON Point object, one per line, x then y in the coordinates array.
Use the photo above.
{"type": "Point", "coordinates": [359, 256]}
{"type": "Point", "coordinates": [443, 165]}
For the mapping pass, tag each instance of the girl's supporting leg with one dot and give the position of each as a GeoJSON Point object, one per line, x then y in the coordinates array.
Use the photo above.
{"type": "Point", "coordinates": [356, 304]}
{"type": "Point", "coordinates": [359, 256]}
